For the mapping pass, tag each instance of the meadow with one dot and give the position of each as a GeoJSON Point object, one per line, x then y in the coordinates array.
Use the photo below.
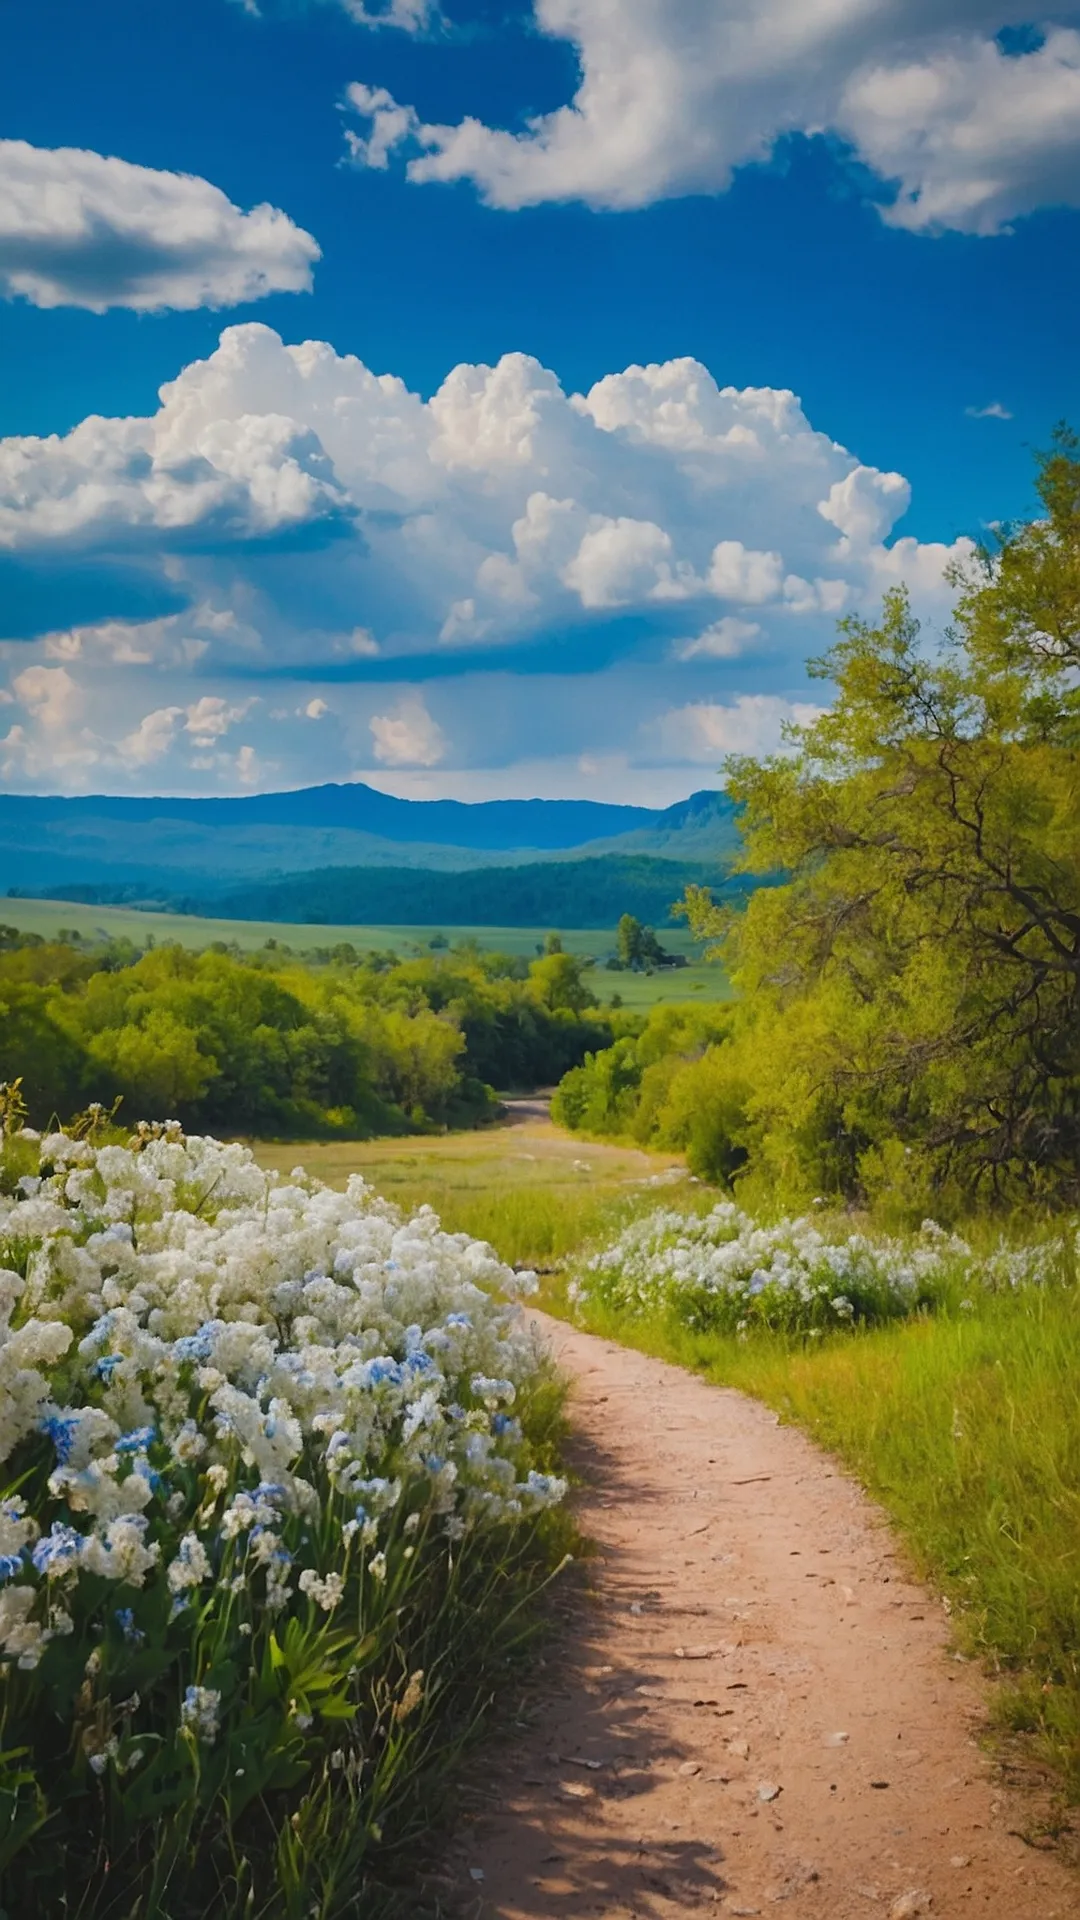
{"type": "Point", "coordinates": [534, 1192]}
{"type": "Point", "coordinates": [699, 980]}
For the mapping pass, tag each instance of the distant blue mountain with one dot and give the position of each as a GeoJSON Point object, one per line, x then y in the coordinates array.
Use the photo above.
{"type": "Point", "coordinates": [140, 848]}
{"type": "Point", "coordinates": [495, 825]}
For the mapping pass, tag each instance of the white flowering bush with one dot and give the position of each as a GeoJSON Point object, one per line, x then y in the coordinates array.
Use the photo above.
{"type": "Point", "coordinates": [271, 1483]}
{"type": "Point", "coordinates": [723, 1271]}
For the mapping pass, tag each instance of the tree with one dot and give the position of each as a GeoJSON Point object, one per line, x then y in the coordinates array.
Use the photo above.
{"type": "Point", "coordinates": [913, 990]}
{"type": "Point", "coordinates": [557, 983]}
{"type": "Point", "coordinates": [628, 941]}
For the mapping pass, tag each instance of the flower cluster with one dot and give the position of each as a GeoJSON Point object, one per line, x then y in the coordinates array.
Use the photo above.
{"type": "Point", "coordinates": [224, 1389]}
{"type": "Point", "coordinates": [722, 1270]}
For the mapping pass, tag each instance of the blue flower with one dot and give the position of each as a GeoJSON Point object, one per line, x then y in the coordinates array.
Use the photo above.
{"type": "Point", "coordinates": [107, 1365]}
{"type": "Point", "coordinates": [10, 1565]}
{"type": "Point", "coordinates": [58, 1551]}
{"type": "Point", "coordinates": [380, 1370]}
{"type": "Point", "coordinates": [126, 1621]}
{"type": "Point", "coordinates": [61, 1429]}
{"type": "Point", "coordinates": [136, 1441]}
{"type": "Point", "coordinates": [195, 1346]}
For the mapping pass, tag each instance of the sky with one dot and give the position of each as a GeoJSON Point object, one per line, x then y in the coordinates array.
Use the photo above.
{"type": "Point", "coordinates": [506, 397]}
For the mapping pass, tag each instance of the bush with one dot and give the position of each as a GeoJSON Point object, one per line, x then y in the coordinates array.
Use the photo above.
{"type": "Point", "coordinates": [271, 1489]}
{"type": "Point", "coordinates": [723, 1272]}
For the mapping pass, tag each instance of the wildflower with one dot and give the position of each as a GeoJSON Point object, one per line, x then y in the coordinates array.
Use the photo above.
{"type": "Point", "coordinates": [125, 1620]}
{"type": "Point", "coordinates": [326, 1593]}
{"type": "Point", "coordinates": [58, 1552]}
{"type": "Point", "coordinates": [201, 1711]}
{"type": "Point", "coordinates": [191, 1565]}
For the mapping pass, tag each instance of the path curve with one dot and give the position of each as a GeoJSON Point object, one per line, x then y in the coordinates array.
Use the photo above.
{"type": "Point", "coordinates": [757, 1710]}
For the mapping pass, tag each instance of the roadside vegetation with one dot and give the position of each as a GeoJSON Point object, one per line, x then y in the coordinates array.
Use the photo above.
{"type": "Point", "coordinates": [942, 1372]}
{"type": "Point", "coordinates": [277, 1501]}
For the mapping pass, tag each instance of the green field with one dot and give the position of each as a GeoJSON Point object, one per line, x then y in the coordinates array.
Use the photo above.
{"type": "Point", "coordinates": [50, 917]}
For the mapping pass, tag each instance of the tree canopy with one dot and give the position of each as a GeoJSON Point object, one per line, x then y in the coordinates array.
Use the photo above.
{"type": "Point", "coordinates": [909, 1017]}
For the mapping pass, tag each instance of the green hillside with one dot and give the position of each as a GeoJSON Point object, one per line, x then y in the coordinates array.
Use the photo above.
{"type": "Point", "coordinates": [696, 981]}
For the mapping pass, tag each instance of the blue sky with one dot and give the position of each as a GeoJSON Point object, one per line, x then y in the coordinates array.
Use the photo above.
{"type": "Point", "coordinates": [461, 578]}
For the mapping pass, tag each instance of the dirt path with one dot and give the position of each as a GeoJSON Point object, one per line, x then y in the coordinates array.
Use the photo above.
{"type": "Point", "coordinates": [757, 1708]}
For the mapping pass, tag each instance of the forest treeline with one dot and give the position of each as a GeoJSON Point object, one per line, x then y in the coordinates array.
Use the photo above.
{"type": "Point", "coordinates": [267, 1045]}
{"type": "Point", "coordinates": [906, 1026]}
{"type": "Point", "coordinates": [564, 893]}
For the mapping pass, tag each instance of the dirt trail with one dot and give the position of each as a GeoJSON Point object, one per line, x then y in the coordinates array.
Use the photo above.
{"type": "Point", "coordinates": [758, 1710]}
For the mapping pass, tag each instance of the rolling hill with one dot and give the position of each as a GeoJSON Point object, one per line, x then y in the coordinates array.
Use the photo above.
{"type": "Point", "coordinates": [128, 848]}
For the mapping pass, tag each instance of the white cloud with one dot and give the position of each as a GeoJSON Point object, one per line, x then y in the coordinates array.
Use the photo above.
{"type": "Point", "coordinates": [152, 738]}
{"type": "Point", "coordinates": [485, 514]}
{"type": "Point", "coordinates": [210, 717]}
{"type": "Point", "coordinates": [675, 94]}
{"type": "Point", "coordinates": [81, 229]}
{"type": "Point", "coordinates": [865, 505]}
{"type": "Point", "coordinates": [656, 541]}
{"type": "Point", "coordinates": [408, 736]}
{"type": "Point", "coordinates": [49, 694]}
{"type": "Point", "coordinates": [622, 561]}
{"type": "Point", "coordinates": [702, 732]}
{"type": "Point", "coordinates": [995, 411]}
{"type": "Point", "coordinates": [736, 573]}
{"type": "Point", "coordinates": [725, 639]}
{"type": "Point", "coordinates": [411, 16]}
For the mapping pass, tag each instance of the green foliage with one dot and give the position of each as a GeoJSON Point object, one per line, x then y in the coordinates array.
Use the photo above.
{"type": "Point", "coordinates": [652, 1084]}
{"type": "Point", "coordinates": [909, 1021]}
{"type": "Point", "coordinates": [265, 1045]}
{"type": "Point", "coordinates": [567, 893]}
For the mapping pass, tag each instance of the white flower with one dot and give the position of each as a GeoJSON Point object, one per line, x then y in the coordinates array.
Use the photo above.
{"type": "Point", "coordinates": [326, 1593]}
{"type": "Point", "coordinates": [200, 1710]}
{"type": "Point", "coordinates": [191, 1565]}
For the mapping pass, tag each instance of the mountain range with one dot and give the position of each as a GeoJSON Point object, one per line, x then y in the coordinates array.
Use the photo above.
{"type": "Point", "coordinates": [380, 858]}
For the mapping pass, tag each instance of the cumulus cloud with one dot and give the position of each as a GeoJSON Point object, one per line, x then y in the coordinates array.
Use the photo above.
{"type": "Point", "coordinates": [653, 539]}
{"type": "Point", "coordinates": [407, 736]}
{"type": "Point", "coordinates": [81, 229]}
{"type": "Point", "coordinates": [209, 718]}
{"type": "Point", "coordinates": [674, 95]}
{"type": "Point", "coordinates": [724, 639]}
{"type": "Point", "coordinates": [995, 411]}
{"type": "Point", "coordinates": [152, 738]}
{"type": "Point", "coordinates": [703, 732]}
{"type": "Point", "coordinates": [483, 514]}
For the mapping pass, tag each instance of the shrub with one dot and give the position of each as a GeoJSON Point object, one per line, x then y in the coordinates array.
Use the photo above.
{"type": "Point", "coordinates": [723, 1272]}
{"type": "Point", "coordinates": [268, 1487]}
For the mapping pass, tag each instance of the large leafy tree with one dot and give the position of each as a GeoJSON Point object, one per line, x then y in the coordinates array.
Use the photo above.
{"type": "Point", "coordinates": [911, 995]}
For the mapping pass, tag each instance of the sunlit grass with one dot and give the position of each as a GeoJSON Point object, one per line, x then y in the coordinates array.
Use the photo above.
{"type": "Point", "coordinates": [534, 1193]}
{"type": "Point", "coordinates": [696, 981]}
{"type": "Point", "coordinates": [966, 1425]}
{"type": "Point", "coordinates": [967, 1429]}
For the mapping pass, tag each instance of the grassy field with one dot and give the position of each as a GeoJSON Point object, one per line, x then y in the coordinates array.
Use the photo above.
{"type": "Point", "coordinates": [534, 1193]}
{"type": "Point", "coordinates": [965, 1427]}
{"type": "Point", "coordinates": [49, 917]}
